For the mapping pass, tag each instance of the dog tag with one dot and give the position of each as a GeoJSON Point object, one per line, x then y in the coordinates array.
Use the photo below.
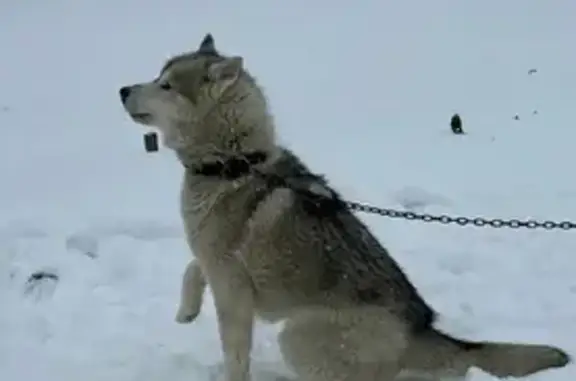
{"type": "Point", "coordinates": [151, 142]}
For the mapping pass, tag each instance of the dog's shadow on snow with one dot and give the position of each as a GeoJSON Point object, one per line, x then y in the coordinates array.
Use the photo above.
{"type": "Point", "coordinates": [261, 371]}
{"type": "Point", "coordinates": [181, 367]}
{"type": "Point", "coordinates": [416, 199]}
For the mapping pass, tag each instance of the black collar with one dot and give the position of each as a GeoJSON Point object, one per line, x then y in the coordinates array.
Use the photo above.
{"type": "Point", "coordinates": [232, 167]}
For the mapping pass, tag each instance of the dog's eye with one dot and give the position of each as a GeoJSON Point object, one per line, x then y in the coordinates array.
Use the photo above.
{"type": "Point", "coordinates": [205, 79]}
{"type": "Point", "coordinates": [165, 86]}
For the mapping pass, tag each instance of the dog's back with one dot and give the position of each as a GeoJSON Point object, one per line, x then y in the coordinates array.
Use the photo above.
{"type": "Point", "coordinates": [321, 254]}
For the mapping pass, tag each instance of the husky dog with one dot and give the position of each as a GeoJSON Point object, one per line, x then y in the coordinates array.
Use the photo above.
{"type": "Point", "coordinates": [273, 240]}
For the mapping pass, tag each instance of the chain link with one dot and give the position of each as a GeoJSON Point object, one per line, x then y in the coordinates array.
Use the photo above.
{"type": "Point", "coordinates": [412, 216]}
{"type": "Point", "coordinates": [462, 221]}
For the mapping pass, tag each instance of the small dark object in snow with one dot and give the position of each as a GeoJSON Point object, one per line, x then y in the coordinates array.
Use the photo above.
{"type": "Point", "coordinates": [516, 117]}
{"type": "Point", "coordinates": [535, 112]}
{"type": "Point", "coordinates": [532, 71]}
{"type": "Point", "coordinates": [41, 284]}
{"type": "Point", "coordinates": [39, 275]}
{"type": "Point", "coordinates": [456, 124]}
{"type": "Point", "coordinates": [151, 142]}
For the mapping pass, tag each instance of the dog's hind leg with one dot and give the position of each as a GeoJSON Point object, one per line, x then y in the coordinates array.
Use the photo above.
{"type": "Point", "coordinates": [414, 375]}
{"type": "Point", "coordinates": [430, 357]}
{"type": "Point", "coordinates": [357, 344]}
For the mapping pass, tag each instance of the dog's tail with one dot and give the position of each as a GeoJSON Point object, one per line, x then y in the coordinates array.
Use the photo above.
{"type": "Point", "coordinates": [436, 350]}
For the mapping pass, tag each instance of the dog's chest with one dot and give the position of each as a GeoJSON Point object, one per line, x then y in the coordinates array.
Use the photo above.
{"type": "Point", "coordinates": [214, 218]}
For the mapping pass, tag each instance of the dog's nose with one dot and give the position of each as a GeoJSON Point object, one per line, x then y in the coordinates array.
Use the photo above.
{"type": "Point", "coordinates": [124, 92]}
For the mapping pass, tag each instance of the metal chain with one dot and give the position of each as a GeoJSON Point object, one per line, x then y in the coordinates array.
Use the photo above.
{"type": "Point", "coordinates": [412, 216]}
{"type": "Point", "coordinates": [462, 221]}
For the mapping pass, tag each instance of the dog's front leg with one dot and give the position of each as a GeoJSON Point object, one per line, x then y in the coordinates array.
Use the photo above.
{"type": "Point", "coordinates": [191, 294]}
{"type": "Point", "coordinates": [234, 301]}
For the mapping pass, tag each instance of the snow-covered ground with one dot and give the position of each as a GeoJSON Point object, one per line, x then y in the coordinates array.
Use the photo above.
{"type": "Point", "coordinates": [364, 92]}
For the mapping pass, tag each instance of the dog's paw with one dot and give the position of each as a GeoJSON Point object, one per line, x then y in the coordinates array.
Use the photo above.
{"type": "Point", "coordinates": [184, 316]}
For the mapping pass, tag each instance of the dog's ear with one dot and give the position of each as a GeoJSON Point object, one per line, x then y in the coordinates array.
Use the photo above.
{"type": "Point", "coordinates": [207, 45]}
{"type": "Point", "coordinates": [227, 69]}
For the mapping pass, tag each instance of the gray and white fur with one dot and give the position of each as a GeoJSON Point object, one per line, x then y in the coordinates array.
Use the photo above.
{"type": "Point", "coordinates": [274, 241]}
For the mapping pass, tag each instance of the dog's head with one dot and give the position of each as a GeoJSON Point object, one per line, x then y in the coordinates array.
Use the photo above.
{"type": "Point", "coordinates": [201, 99]}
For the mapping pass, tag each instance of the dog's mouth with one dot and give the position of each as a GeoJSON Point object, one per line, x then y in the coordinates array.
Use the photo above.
{"type": "Point", "coordinates": [141, 117]}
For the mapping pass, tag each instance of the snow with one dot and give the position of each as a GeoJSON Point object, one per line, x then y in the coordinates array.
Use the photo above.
{"type": "Point", "coordinates": [363, 93]}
